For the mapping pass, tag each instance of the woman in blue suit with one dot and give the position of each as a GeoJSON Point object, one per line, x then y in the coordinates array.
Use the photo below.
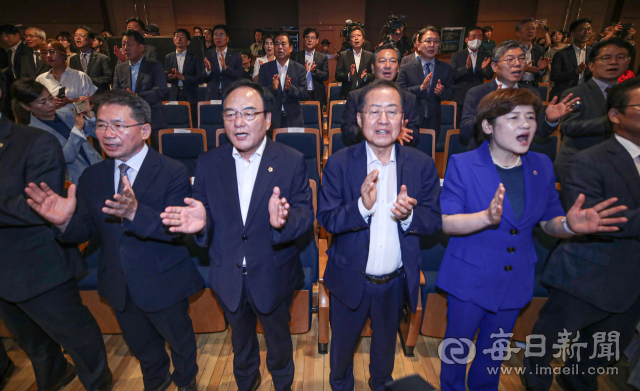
{"type": "Point", "coordinates": [491, 200]}
{"type": "Point", "coordinates": [70, 128]}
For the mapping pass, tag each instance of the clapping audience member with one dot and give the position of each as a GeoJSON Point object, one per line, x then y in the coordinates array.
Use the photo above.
{"type": "Point", "coordinates": [258, 45]}
{"type": "Point", "coordinates": [67, 40]}
{"type": "Point", "coordinates": [569, 67]}
{"type": "Point", "coordinates": [32, 63]}
{"type": "Point", "coordinates": [537, 63]}
{"type": "Point", "coordinates": [184, 72]}
{"type": "Point", "coordinates": [354, 66]}
{"type": "Point", "coordinates": [316, 65]}
{"type": "Point", "coordinates": [96, 65]}
{"type": "Point", "coordinates": [75, 83]}
{"type": "Point", "coordinates": [269, 56]}
{"type": "Point", "coordinates": [222, 65]}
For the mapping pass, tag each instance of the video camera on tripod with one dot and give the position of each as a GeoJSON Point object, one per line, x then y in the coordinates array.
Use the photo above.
{"type": "Point", "coordinates": [393, 26]}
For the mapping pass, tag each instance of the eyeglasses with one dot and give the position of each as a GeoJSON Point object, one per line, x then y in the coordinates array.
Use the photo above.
{"type": "Point", "coordinates": [619, 57]}
{"type": "Point", "coordinates": [377, 113]}
{"type": "Point", "coordinates": [511, 61]}
{"type": "Point", "coordinates": [431, 42]}
{"type": "Point", "coordinates": [79, 35]}
{"type": "Point", "coordinates": [637, 107]}
{"type": "Point", "coordinates": [116, 128]}
{"type": "Point", "coordinates": [31, 36]}
{"type": "Point", "coordinates": [219, 35]}
{"type": "Point", "coordinates": [310, 37]}
{"type": "Point", "coordinates": [248, 116]}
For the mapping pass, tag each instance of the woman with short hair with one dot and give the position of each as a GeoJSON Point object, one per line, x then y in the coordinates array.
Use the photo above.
{"type": "Point", "coordinates": [66, 39]}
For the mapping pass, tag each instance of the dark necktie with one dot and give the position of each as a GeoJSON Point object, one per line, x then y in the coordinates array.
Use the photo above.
{"type": "Point", "coordinates": [83, 61]}
{"type": "Point", "coordinates": [607, 91]}
{"type": "Point", "coordinates": [37, 54]}
{"type": "Point", "coordinates": [123, 172]}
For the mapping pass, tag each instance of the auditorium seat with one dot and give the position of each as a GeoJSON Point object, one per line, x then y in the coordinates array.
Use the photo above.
{"type": "Point", "coordinates": [547, 145]}
{"type": "Point", "coordinates": [184, 145]}
{"type": "Point", "coordinates": [427, 142]}
{"type": "Point", "coordinates": [336, 108]}
{"type": "Point", "coordinates": [448, 120]}
{"type": "Point", "coordinates": [312, 115]}
{"type": "Point", "coordinates": [202, 92]}
{"type": "Point", "coordinates": [452, 146]}
{"type": "Point", "coordinates": [306, 141]}
{"type": "Point", "coordinates": [221, 137]}
{"type": "Point", "coordinates": [177, 114]}
{"type": "Point", "coordinates": [333, 92]}
{"type": "Point", "coordinates": [544, 89]}
{"type": "Point", "coordinates": [210, 118]}
{"type": "Point", "coordinates": [336, 141]}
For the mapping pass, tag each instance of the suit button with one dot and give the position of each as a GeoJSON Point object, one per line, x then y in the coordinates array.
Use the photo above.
{"type": "Point", "coordinates": [513, 232]}
{"type": "Point", "coordinates": [511, 250]}
{"type": "Point", "coordinates": [239, 266]}
{"type": "Point", "coordinates": [508, 268]}
{"type": "Point", "coordinates": [244, 238]}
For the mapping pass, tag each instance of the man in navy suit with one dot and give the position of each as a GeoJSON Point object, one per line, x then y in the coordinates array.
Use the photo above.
{"type": "Point", "coordinates": [145, 271]}
{"type": "Point", "coordinates": [287, 81]}
{"type": "Point", "coordinates": [430, 80]}
{"type": "Point", "coordinates": [316, 66]}
{"type": "Point", "coordinates": [186, 72]}
{"type": "Point", "coordinates": [570, 65]}
{"type": "Point", "coordinates": [222, 65]}
{"type": "Point", "coordinates": [536, 64]}
{"type": "Point", "coordinates": [252, 200]}
{"type": "Point", "coordinates": [508, 61]}
{"type": "Point", "coordinates": [384, 67]}
{"type": "Point", "coordinates": [376, 198]}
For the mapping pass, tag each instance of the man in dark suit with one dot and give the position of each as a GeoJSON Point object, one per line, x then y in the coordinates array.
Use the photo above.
{"type": "Point", "coordinates": [569, 67]}
{"type": "Point", "coordinates": [589, 125]}
{"type": "Point", "coordinates": [142, 77]}
{"type": "Point", "coordinates": [593, 279]}
{"type": "Point", "coordinates": [537, 63]}
{"type": "Point", "coordinates": [408, 59]}
{"type": "Point", "coordinates": [287, 81]}
{"type": "Point", "coordinates": [145, 272]}
{"type": "Point", "coordinates": [16, 48]}
{"type": "Point", "coordinates": [384, 67]}
{"type": "Point", "coordinates": [138, 25]}
{"type": "Point", "coordinates": [96, 65]}
{"type": "Point", "coordinates": [186, 72]}
{"type": "Point", "coordinates": [31, 64]}
{"type": "Point", "coordinates": [354, 66]}
{"type": "Point", "coordinates": [508, 61]}
{"type": "Point", "coordinates": [430, 80]}
{"type": "Point", "coordinates": [316, 66]}
{"type": "Point", "coordinates": [39, 299]}
{"type": "Point", "coordinates": [222, 65]}
{"type": "Point", "coordinates": [376, 198]}
{"type": "Point", "coordinates": [252, 200]}
{"type": "Point", "coordinates": [470, 67]}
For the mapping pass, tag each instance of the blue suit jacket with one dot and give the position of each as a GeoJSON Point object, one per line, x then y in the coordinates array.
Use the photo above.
{"type": "Point", "coordinates": [473, 268]}
{"type": "Point", "coordinates": [411, 77]}
{"type": "Point", "coordinates": [139, 256]}
{"type": "Point", "coordinates": [232, 73]}
{"type": "Point", "coordinates": [349, 125]}
{"type": "Point", "coordinates": [338, 213]}
{"type": "Point", "coordinates": [273, 265]}
{"type": "Point", "coordinates": [289, 99]}
{"type": "Point", "coordinates": [192, 71]}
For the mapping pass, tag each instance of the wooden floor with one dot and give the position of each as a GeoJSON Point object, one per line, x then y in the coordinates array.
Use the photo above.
{"type": "Point", "coordinates": [215, 361]}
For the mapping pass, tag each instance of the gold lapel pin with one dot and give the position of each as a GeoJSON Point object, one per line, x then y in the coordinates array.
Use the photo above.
{"type": "Point", "coordinates": [270, 169]}
{"type": "Point", "coordinates": [535, 172]}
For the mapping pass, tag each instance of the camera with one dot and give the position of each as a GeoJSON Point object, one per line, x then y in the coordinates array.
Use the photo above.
{"type": "Point", "coordinates": [346, 33]}
{"type": "Point", "coordinates": [393, 26]}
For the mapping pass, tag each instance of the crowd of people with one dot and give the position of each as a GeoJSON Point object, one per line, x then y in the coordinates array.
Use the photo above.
{"type": "Point", "coordinates": [251, 199]}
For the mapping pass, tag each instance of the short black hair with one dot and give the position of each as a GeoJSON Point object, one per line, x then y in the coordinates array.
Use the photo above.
{"type": "Point", "coordinates": [486, 29]}
{"type": "Point", "coordinates": [137, 20]}
{"type": "Point", "coordinates": [107, 31]}
{"type": "Point", "coordinates": [9, 29]}
{"type": "Point", "coordinates": [26, 91]}
{"type": "Point", "coordinates": [619, 95]}
{"type": "Point", "coordinates": [473, 28]}
{"type": "Point", "coordinates": [194, 29]}
{"type": "Point", "coordinates": [595, 49]}
{"type": "Point", "coordinates": [282, 34]}
{"type": "Point", "coordinates": [140, 109]}
{"type": "Point", "coordinates": [387, 46]}
{"type": "Point", "coordinates": [310, 30]}
{"type": "Point", "coordinates": [185, 32]}
{"type": "Point", "coordinates": [90, 33]}
{"type": "Point", "coordinates": [574, 25]}
{"type": "Point", "coordinates": [356, 28]}
{"type": "Point", "coordinates": [135, 35]}
{"type": "Point", "coordinates": [257, 31]}
{"type": "Point", "coordinates": [523, 22]}
{"type": "Point", "coordinates": [246, 53]}
{"type": "Point", "coordinates": [377, 85]}
{"type": "Point", "coordinates": [415, 38]}
{"type": "Point", "coordinates": [425, 30]}
{"type": "Point", "coordinates": [268, 101]}
{"type": "Point", "coordinates": [221, 27]}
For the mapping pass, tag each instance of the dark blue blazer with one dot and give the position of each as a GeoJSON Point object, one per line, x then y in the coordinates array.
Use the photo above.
{"type": "Point", "coordinates": [140, 256]}
{"type": "Point", "coordinates": [338, 213]}
{"type": "Point", "coordinates": [192, 71]}
{"type": "Point", "coordinates": [232, 73]}
{"type": "Point", "coordinates": [274, 270]}
{"type": "Point", "coordinates": [411, 77]}
{"type": "Point", "coordinates": [290, 99]}
{"type": "Point", "coordinates": [349, 126]}
{"type": "Point", "coordinates": [474, 267]}
{"type": "Point", "coordinates": [468, 128]}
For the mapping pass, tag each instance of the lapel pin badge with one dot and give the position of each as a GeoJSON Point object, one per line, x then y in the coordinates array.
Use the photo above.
{"type": "Point", "coordinates": [270, 169]}
{"type": "Point", "coordinates": [535, 172]}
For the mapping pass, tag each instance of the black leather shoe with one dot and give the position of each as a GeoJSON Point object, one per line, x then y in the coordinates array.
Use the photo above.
{"type": "Point", "coordinates": [165, 383]}
{"type": "Point", "coordinates": [69, 375]}
{"type": "Point", "coordinates": [256, 383]}
{"type": "Point", "coordinates": [107, 381]}
{"type": "Point", "coordinates": [190, 387]}
{"type": "Point", "coordinates": [524, 381]}
{"type": "Point", "coordinates": [7, 374]}
{"type": "Point", "coordinates": [564, 383]}
{"type": "Point", "coordinates": [370, 382]}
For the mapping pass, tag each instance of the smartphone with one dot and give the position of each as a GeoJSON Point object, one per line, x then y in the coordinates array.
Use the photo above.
{"type": "Point", "coordinates": [169, 71]}
{"type": "Point", "coordinates": [81, 106]}
{"type": "Point", "coordinates": [62, 92]}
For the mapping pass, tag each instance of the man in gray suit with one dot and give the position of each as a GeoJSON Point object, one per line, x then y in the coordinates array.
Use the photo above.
{"type": "Point", "coordinates": [96, 65]}
{"type": "Point", "coordinates": [588, 125]}
{"type": "Point", "coordinates": [143, 77]}
{"type": "Point", "coordinates": [593, 279]}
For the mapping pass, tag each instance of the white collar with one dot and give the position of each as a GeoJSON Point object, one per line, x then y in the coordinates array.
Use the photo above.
{"type": "Point", "coordinates": [603, 86]}
{"type": "Point", "coordinates": [181, 54]}
{"type": "Point", "coordinates": [371, 156]}
{"type": "Point", "coordinates": [355, 54]}
{"type": "Point", "coordinates": [50, 72]}
{"type": "Point", "coordinates": [259, 151]}
{"type": "Point", "coordinates": [633, 149]}
{"type": "Point", "coordinates": [577, 49]}
{"type": "Point", "coordinates": [306, 53]}
{"type": "Point", "coordinates": [286, 64]}
{"type": "Point", "coordinates": [432, 62]}
{"type": "Point", "coordinates": [498, 82]}
{"type": "Point", "coordinates": [136, 160]}
{"type": "Point", "coordinates": [224, 52]}
{"type": "Point", "coordinates": [15, 47]}
{"type": "Point", "coordinates": [472, 52]}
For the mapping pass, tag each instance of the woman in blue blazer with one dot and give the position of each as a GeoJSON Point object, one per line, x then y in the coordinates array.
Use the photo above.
{"type": "Point", "coordinates": [491, 199]}
{"type": "Point", "coordinates": [69, 128]}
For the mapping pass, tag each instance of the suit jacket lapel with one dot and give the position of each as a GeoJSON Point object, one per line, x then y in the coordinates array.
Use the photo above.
{"type": "Point", "coordinates": [571, 52]}
{"type": "Point", "coordinates": [417, 68]}
{"type": "Point", "coordinates": [596, 93]}
{"type": "Point", "coordinates": [141, 71]}
{"type": "Point", "coordinates": [263, 179]}
{"type": "Point", "coordinates": [229, 180]}
{"type": "Point", "coordinates": [357, 167]}
{"type": "Point", "coordinates": [91, 63]}
{"type": "Point", "coordinates": [5, 134]}
{"type": "Point", "coordinates": [404, 172]}
{"type": "Point", "coordinates": [146, 175]}
{"type": "Point", "coordinates": [623, 163]}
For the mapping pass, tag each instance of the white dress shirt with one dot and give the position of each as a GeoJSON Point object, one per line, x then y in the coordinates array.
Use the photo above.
{"type": "Point", "coordinates": [501, 85]}
{"type": "Point", "coordinates": [282, 72]}
{"type": "Point", "coordinates": [256, 65]}
{"type": "Point", "coordinates": [13, 58]}
{"type": "Point", "coordinates": [528, 76]}
{"type": "Point", "coordinates": [180, 57]}
{"type": "Point", "coordinates": [308, 59]}
{"type": "Point", "coordinates": [76, 84]}
{"type": "Point", "coordinates": [134, 73]}
{"type": "Point", "coordinates": [385, 255]}
{"type": "Point", "coordinates": [474, 58]}
{"type": "Point", "coordinates": [134, 163]}
{"type": "Point", "coordinates": [633, 149]}
{"type": "Point", "coordinates": [581, 57]}
{"type": "Point", "coordinates": [246, 173]}
{"type": "Point", "coordinates": [356, 58]}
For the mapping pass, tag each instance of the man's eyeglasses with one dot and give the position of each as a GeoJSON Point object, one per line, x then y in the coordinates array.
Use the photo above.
{"type": "Point", "coordinates": [431, 42]}
{"type": "Point", "coordinates": [377, 113]}
{"type": "Point", "coordinates": [116, 128]}
{"type": "Point", "coordinates": [619, 57]}
{"type": "Point", "coordinates": [79, 35]}
{"type": "Point", "coordinates": [248, 116]}
{"type": "Point", "coordinates": [511, 61]}
{"type": "Point", "coordinates": [310, 37]}
{"type": "Point", "coordinates": [219, 35]}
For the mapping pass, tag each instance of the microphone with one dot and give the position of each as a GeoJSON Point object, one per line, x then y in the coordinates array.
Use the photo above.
{"type": "Point", "coordinates": [348, 21]}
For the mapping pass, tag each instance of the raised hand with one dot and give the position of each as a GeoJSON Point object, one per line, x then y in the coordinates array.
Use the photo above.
{"type": "Point", "coordinates": [469, 62]}
{"type": "Point", "coordinates": [287, 83]}
{"type": "Point", "coordinates": [276, 82]}
{"type": "Point", "coordinates": [494, 213]}
{"type": "Point", "coordinates": [177, 74]}
{"type": "Point", "coordinates": [125, 205]}
{"type": "Point", "coordinates": [581, 68]}
{"type": "Point", "coordinates": [352, 70]}
{"type": "Point", "coordinates": [404, 204]}
{"type": "Point", "coordinates": [78, 119]}
{"type": "Point", "coordinates": [439, 88]}
{"type": "Point", "coordinates": [261, 62]}
{"type": "Point", "coordinates": [405, 133]}
{"type": "Point", "coordinates": [207, 65]}
{"type": "Point", "coordinates": [543, 63]}
{"type": "Point", "coordinates": [188, 219]}
{"type": "Point", "coordinates": [54, 208]}
{"type": "Point", "coordinates": [119, 54]}
{"type": "Point", "coordinates": [223, 62]}
{"type": "Point", "coordinates": [596, 219]}
{"type": "Point", "coordinates": [363, 74]}
{"type": "Point", "coordinates": [129, 90]}
{"type": "Point", "coordinates": [368, 190]}
{"type": "Point", "coordinates": [278, 209]}
{"type": "Point", "coordinates": [486, 62]}
{"type": "Point", "coordinates": [425, 83]}
{"type": "Point", "coordinates": [313, 67]}
{"type": "Point", "coordinates": [555, 111]}
{"type": "Point", "coordinates": [530, 68]}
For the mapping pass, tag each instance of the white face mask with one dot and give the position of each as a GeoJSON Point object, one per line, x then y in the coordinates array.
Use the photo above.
{"type": "Point", "coordinates": [474, 44]}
